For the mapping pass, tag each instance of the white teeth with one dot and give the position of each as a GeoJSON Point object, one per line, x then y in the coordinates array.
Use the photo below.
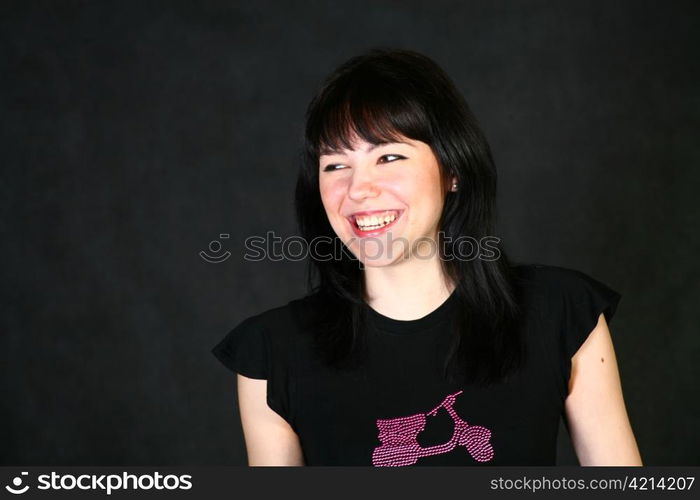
{"type": "Point", "coordinates": [367, 223]}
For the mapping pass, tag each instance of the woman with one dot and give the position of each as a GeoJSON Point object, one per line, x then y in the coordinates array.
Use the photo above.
{"type": "Point", "coordinates": [420, 343]}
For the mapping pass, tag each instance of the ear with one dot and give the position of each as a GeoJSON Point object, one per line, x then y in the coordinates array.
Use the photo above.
{"type": "Point", "coordinates": [454, 186]}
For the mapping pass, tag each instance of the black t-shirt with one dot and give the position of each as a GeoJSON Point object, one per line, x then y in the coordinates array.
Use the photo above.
{"type": "Point", "coordinates": [400, 410]}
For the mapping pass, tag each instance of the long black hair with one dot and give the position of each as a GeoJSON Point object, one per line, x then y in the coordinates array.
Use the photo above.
{"type": "Point", "coordinates": [378, 96]}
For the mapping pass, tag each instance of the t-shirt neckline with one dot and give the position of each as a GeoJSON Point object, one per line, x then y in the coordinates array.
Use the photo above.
{"type": "Point", "coordinates": [406, 327]}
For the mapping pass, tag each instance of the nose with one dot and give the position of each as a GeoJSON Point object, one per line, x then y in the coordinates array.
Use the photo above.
{"type": "Point", "coordinates": [362, 185]}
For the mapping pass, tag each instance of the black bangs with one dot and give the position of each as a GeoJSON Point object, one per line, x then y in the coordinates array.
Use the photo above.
{"type": "Point", "coordinates": [371, 107]}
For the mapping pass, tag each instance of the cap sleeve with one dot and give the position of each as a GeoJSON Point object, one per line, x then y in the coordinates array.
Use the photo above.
{"type": "Point", "coordinates": [244, 350]}
{"type": "Point", "coordinates": [249, 349]}
{"type": "Point", "coordinates": [584, 299]}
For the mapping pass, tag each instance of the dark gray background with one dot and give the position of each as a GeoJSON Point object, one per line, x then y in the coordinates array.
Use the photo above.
{"type": "Point", "coordinates": [134, 133]}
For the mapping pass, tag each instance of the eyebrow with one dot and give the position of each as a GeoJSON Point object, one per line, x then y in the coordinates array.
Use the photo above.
{"type": "Point", "coordinates": [371, 147]}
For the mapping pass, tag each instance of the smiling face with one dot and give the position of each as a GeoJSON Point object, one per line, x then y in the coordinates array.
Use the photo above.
{"type": "Point", "coordinates": [383, 201]}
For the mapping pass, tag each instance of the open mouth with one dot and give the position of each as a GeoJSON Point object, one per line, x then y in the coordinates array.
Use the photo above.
{"type": "Point", "coordinates": [375, 221]}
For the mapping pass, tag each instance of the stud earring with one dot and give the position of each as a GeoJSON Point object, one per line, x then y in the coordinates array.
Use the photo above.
{"type": "Point", "coordinates": [454, 186]}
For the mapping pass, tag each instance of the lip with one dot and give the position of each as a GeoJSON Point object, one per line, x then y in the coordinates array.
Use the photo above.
{"type": "Point", "coordinates": [375, 232]}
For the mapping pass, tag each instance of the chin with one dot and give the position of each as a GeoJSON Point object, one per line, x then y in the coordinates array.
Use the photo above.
{"type": "Point", "coordinates": [383, 260]}
{"type": "Point", "coordinates": [379, 262]}
{"type": "Point", "coordinates": [373, 254]}
{"type": "Point", "coordinates": [376, 253]}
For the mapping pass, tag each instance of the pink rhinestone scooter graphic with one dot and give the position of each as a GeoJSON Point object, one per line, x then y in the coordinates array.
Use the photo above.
{"type": "Point", "coordinates": [400, 445]}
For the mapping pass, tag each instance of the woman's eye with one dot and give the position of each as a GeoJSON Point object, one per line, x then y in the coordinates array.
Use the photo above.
{"type": "Point", "coordinates": [392, 157]}
{"type": "Point", "coordinates": [382, 159]}
{"type": "Point", "coordinates": [330, 168]}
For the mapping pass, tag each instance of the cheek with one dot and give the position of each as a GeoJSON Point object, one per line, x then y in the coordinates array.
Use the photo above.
{"type": "Point", "coordinates": [326, 191]}
{"type": "Point", "coordinates": [421, 189]}
{"type": "Point", "coordinates": [425, 197]}
{"type": "Point", "coordinates": [431, 181]}
{"type": "Point", "coordinates": [332, 194]}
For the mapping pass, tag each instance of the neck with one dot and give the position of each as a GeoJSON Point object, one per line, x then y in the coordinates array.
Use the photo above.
{"type": "Point", "coordinates": [407, 290]}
